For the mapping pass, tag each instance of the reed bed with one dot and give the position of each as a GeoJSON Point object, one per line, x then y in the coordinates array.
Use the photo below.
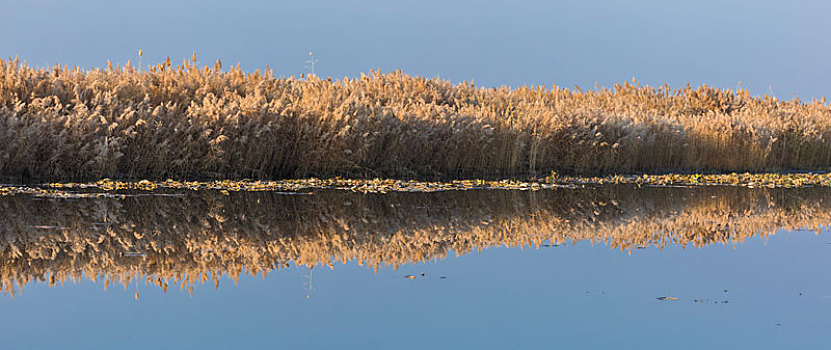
{"type": "Point", "coordinates": [190, 121]}
{"type": "Point", "coordinates": [203, 236]}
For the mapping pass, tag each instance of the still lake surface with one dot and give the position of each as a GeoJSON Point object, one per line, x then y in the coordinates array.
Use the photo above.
{"type": "Point", "coordinates": [562, 268]}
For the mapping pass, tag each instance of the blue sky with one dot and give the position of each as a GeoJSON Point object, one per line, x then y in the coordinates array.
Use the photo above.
{"type": "Point", "coordinates": [783, 48]}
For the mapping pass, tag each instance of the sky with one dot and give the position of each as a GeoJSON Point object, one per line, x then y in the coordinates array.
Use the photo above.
{"type": "Point", "coordinates": [770, 47]}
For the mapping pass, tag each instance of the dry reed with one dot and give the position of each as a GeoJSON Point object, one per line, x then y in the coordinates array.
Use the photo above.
{"type": "Point", "coordinates": [188, 121]}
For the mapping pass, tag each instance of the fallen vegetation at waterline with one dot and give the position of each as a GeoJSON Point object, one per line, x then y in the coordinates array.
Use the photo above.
{"type": "Point", "coordinates": [192, 122]}
{"type": "Point", "coordinates": [200, 236]}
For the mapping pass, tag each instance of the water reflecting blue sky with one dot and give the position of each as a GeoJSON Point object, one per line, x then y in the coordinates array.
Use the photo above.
{"type": "Point", "coordinates": [580, 296]}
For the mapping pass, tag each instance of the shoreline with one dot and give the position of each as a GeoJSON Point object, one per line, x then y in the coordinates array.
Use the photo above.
{"type": "Point", "coordinates": [305, 186]}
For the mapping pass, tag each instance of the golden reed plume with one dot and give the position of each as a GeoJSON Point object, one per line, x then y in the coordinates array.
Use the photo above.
{"type": "Point", "coordinates": [197, 236]}
{"type": "Point", "coordinates": [189, 122]}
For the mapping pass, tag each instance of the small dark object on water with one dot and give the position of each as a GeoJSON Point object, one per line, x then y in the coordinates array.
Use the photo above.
{"type": "Point", "coordinates": [443, 277]}
{"type": "Point", "coordinates": [667, 298]}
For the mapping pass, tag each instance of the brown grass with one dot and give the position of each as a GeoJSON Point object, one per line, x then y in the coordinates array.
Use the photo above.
{"type": "Point", "coordinates": [206, 235]}
{"type": "Point", "coordinates": [187, 121]}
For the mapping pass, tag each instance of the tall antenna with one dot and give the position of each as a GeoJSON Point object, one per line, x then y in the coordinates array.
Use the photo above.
{"type": "Point", "coordinates": [141, 53]}
{"type": "Point", "coordinates": [311, 63]}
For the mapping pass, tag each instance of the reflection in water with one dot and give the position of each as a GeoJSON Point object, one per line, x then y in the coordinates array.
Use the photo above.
{"type": "Point", "coordinates": [200, 236]}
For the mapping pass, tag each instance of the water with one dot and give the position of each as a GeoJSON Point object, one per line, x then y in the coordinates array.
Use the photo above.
{"type": "Point", "coordinates": [501, 269]}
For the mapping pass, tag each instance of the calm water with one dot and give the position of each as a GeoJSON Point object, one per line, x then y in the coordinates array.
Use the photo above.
{"type": "Point", "coordinates": [580, 268]}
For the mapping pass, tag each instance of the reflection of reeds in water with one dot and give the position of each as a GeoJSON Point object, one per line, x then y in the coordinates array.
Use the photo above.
{"type": "Point", "coordinates": [204, 235]}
